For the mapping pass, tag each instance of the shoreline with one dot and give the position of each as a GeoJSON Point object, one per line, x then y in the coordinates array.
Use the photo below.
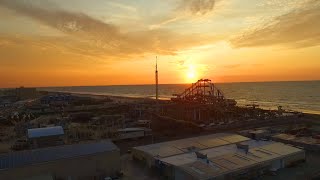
{"type": "Point", "coordinates": [101, 96]}
{"type": "Point", "coordinates": [124, 98]}
{"type": "Point", "coordinates": [101, 85]}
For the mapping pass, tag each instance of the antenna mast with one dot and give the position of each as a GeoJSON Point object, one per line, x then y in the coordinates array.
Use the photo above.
{"type": "Point", "coordinates": [157, 89]}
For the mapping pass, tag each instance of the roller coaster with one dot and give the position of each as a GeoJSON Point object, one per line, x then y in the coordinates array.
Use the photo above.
{"type": "Point", "coordinates": [202, 92]}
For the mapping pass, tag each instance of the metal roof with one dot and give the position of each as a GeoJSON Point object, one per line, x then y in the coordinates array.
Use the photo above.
{"type": "Point", "coordinates": [133, 129]}
{"type": "Point", "coordinates": [181, 146]}
{"type": "Point", "coordinates": [231, 161]}
{"type": "Point", "coordinates": [285, 136]}
{"type": "Point", "coordinates": [234, 138]}
{"type": "Point", "coordinates": [279, 148]}
{"type": "Point", "coordinates": [259, 131]}
{"type": "Point", "coordinates": [202, 170]}
{"type": "Point", "coordinates": [43, 132]}
{"type": "Point", "coordinates": [213, 142]}
{"type": "Point", "coordinates": [31, 157]}
{"type": "Point", "coordinates": [190, 157]}
{"type": "Point", "coordinates": [160, 150]}
{"type": "Point", "coordinates": [293, 138]}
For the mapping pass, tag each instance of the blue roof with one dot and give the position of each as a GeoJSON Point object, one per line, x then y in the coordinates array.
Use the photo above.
{"type": "Point", "coordinates": [43, 132]}
{"type": "Point", "coordinates": [133, 129]}
{"type": "Point", "coordinates": [31, 157]}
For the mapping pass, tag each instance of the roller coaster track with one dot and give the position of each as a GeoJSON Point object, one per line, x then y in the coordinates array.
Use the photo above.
{"type": "Point", "coordinates": [203, 91]}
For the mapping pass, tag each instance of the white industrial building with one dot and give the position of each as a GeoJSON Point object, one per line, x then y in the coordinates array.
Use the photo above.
{"type": "Point", "coordinates": [90, 161]}
{"type": "Point", "coordinates": [45, 137]}
{"type": "Point", "coordinates": [217, 156]}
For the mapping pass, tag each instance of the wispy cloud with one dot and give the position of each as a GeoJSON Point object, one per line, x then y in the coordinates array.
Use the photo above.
{"type": "Point", "coordinates": [187, 9]}
{"type": "Point", "coordinates": [197, 7]}
{"type": "Point", "coordinates": [122, 6]}
{"type": "Point", "coordinates": [165, 22]}
{"type": "Point", "coordinates": [89, 36]}
{"type": "Point", "coordinates": [298, 28]}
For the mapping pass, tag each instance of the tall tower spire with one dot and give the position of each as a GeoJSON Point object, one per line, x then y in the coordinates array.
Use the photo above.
{"type": "Point", "coordinates": [157, 89]}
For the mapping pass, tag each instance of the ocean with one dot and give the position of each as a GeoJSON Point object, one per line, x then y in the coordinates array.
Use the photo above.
{"type": "Point", "coordinates": [301, 96]}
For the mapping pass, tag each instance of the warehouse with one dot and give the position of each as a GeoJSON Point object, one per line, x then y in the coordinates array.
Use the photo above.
{"type": "Point", "coordinates": [147, 154]}
{"type": "Point", "coordinates": [73, 162]}
{"type": "Point", "coordinates": [45, 137]}
{"type": "Point", "coordinates": [217, 156]}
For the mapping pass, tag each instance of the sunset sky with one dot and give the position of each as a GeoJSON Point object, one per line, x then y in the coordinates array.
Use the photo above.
{"type": "Point", "coordinates": [104, 42]}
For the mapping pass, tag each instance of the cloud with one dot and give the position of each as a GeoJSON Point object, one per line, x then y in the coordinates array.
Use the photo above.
{"type": "Point", "coordinates": [197, 7]}
{"type": "Point", "coordinates": [298, 28]}
{"type": "Point", "coordinates": [88, 36]}
{"type": "Point", "coordinates": [187, 9]}
{"type": "Point", "coordinates": [165, 22]}
{"type": "Point", "coordinates": [68, 22]}
{"type": "Point", "coordinates": [122, 6]}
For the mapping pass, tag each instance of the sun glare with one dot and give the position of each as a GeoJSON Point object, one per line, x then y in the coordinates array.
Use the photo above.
{"type": "Point", "coordinates": [191, 75]}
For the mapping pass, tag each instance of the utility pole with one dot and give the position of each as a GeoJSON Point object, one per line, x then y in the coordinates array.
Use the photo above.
{"type": "Point", "coordinates": [157, 95]}
{"type": "Point", "coordinates": [157, 89]}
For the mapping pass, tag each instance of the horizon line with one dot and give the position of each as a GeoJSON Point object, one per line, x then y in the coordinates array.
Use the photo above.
{"type": "Point", "coordinates": [159, 84]}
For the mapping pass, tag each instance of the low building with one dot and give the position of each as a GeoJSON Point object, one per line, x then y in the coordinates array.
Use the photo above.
{"type": "Point", "coordinates": [26, 93]}
{"type": "Point", "coordinates": [7, 101]}
{"type": "Point", "coordinates": [217, 156]}
{"type": "Point", "coordinates": [58, 99]}
{"type": "Point", "coordinates": [45, 137]}
{"type": "Point", "coordinates": [307, 142]}
{"type": "Point", "coordinates": [132, 133]}
{"type": "Point", "coordinates": [68, 162]}
{"type": "Point", "coordinates": [259, 134]}
{"type": "Point", "coordinates": [149, 153]}
{"type": "Point", "coordinates": [144, 123]}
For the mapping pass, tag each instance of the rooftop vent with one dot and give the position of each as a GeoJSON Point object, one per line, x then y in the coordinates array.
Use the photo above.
{"type": "Point", "coordinates": [245, 147]}
{"type": "Point", "coordinates": [200, 155]}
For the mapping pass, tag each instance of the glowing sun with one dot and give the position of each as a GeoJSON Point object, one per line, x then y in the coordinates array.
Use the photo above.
{"type": "Point", "coordinates": [191, 74]}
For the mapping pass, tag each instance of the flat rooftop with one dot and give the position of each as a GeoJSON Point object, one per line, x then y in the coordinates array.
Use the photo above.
{"type": "Point", "coordinates": [36, 156]}
{"type": "Point", "coordinates": [182, 146]}
{"type": "Point", "coordinates": [231, 161]}
{"type": "Point", "coordinates": [304, 140]}
{"type": "Point", "coordinates": [44, 132]}
{"type": "Point", "coordinates": [190, 157]}
{"type": "Point", "coordinates": [222, 154]}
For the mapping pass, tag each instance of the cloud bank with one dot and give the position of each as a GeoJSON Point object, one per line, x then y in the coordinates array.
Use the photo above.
{"type": "Point", "coordinates": [297, 28]}
{"type": "Point", "coordinates": [89, 36]}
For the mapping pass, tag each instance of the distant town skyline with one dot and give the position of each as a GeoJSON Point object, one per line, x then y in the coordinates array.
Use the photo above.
{"type": "Point", "coordinates": [98, 42]}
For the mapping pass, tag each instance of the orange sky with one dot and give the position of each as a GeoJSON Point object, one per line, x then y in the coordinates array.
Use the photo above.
{"type": "Point", "coordinates": [98, 42]}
